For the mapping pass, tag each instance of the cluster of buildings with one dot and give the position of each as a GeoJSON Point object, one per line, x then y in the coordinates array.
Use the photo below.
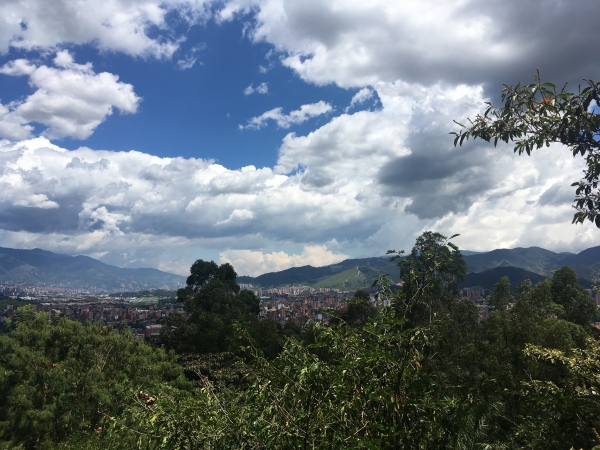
{"type": "Point", "coordinates": [477, 295]}
{"type": "Point", "coordinates": [295, 291]}
{"type": "Point", "coordinates": [295, 304]}
{"type": "Point", "coordinates": [143, 318]}
{"type": "Point", "coordinates": [284, 307]}
{"type": "Point", "coordinates": [16, 290]}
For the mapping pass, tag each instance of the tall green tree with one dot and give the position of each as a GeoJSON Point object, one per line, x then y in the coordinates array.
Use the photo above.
{"type": "Point", "coordinates": [536, 115]}
{"type": "Point", "coordinates": [500, 296]}
{"type": "Point", "coordinates": [579, 306]}
{"type": "Point", "coordinates": [222, 317]}
{"type": "Point", "coordinates": [430, 275]}
{"type": "Point", "coordinates": [358, 311]}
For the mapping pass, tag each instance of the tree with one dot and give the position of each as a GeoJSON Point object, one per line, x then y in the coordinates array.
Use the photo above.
{"type": "Point", "coordinates": [358, 312]}
{"type": "Point", "coordinates": [500, 296]}
{"type": "Point", "coordinates": [222, 317]}
{"type": "Point", "coordinates": [579, 306]}
{"type": "Point", "coordinates": [537, 115]}
{"type": "Point", "coordinates": [430, 276]}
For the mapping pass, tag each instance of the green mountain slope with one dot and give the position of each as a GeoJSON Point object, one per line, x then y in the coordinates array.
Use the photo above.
{"type": "Point", "coordinates": [40, 267]}
{"type": "Point", "coordinates": [332, 276]}
{"type": "Point", "coordinates": [535, 263]}
{"type": "Point", "coordinates": [350, 279]}
{"type": "Point", "coordinates": [489, 278]}
{"type": "Point", "coordinates": [533, 259]}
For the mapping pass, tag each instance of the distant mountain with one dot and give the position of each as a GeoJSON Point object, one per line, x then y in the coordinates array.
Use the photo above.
{"type": "Point", "coordinates": [587, 257]}
{"type": "Point", "coordinates": [538, 260]}
{"type": "Point", "coordinates": [518, 264]}
{"type": "Point", "coordinates": [33, 267]}
{"type": "Point", "coordinates": [327, 276]}
{"type": "Point", "coordinates": [41, 267]}
{"type": "Point", "coordinates": [533, 259]}
{"type": "Point", "coordinates": [469, 253]}
{"type": "Point", "coordinates": [489, 278]}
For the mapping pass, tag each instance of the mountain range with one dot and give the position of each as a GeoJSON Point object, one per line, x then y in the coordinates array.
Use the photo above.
{"type": "Point", "coordinates": [43, 268]}
{"type": "Point", "coordinates": [484, 269]}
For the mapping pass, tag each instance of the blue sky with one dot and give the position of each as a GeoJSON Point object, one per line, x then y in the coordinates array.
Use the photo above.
{"type": "Point", "coordinates": [203, 105]}
{"type": "Point", "coordinates": [277, 133]}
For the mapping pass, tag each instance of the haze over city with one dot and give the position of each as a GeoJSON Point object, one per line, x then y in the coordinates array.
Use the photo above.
{"type": "Point", "coordinates": [272, 134]}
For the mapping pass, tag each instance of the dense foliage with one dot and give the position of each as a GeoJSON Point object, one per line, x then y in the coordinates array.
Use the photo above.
{"type": "Point", "coordinates": [419, 372]}
{"type": "Point", "coordinates": [59, 378]}
{"type": "Point", "coordinates": [217, 309]}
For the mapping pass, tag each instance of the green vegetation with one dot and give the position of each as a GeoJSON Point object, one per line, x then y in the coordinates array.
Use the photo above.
{"type": "Point", "coordinates": [161, 293]}
{"type": "Point", "coordinates": [222, 317]}
{"type": "Point", "coordinates": [350, 279]}
{"type": "Point", "coordinates": [144, 301]}
{"type": "Point", "coordinates": [343, 275]}
{"type": "Point", "coordinates": [489, 278]}
{"type": "Point", "coordinates": [422, 372]}
{"type": "Point", "coordinates": [59, 379]}
{"type": "Point", "coordinates": [15, 302]}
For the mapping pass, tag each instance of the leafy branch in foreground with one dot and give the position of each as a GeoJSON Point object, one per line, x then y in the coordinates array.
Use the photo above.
{"type": "Point", "coordinates": [537, 115]}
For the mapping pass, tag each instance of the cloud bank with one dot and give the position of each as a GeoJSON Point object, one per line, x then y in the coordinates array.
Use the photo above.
{"type": "Point", "coordinates": [357, 44]}
{"type": "Point", "coordinates": [368, 181]}
{"type": "Point", "coordinates": [363, 182]}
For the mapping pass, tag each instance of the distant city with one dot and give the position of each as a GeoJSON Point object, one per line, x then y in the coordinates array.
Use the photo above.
{"type": "Point", "coordinates": [144, 310]}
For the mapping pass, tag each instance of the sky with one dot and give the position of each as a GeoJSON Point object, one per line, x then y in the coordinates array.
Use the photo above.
{"type": "Point", "coordinates": [279, 133]}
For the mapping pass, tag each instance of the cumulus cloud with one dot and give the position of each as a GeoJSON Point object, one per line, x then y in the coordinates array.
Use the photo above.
{"type": "Point", "coordinates": [70, 99]}
{"type": "Point", "coordinates": [36, 201]}
{"type": "Point", "coordinates": [253, 263]}
{"type": "Point", "coordinates": [262, 88]}
{"type": "Point", "coordinates": [295, 117]}
{"type": "Point", "coordinates": [370, 180]}
{"type": "Point", "coordinates": [135, 27]}
{"type": "Point", "coordinates": [356, 44]}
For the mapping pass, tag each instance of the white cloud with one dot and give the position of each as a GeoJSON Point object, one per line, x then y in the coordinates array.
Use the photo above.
{"type": "Point", "coordinates": [253, 263]}
{"type": "Point", "coordinates": [262, 88]}
{"type": "Point", "coordinates": [36, 201]}
{"type": "Point", "coordinates": [186, 63]}
{"type": "Point", "coordinates": [295, 117]}
{"type": "Point", "coordinates": [12, 126]}
{"type": "Point", "coordinates": [191, 58]}
{"type": "Point", "coordinates": [360, 97]}
{"type": "Point", "coordinates": [71, 100]}
{"type": "Point", "coordinates": [237, 217]}
{"type": "Point", "coordinates": [356, 43]}
{"type": "Point", "coordinates": [128, 26]}
{"type": "Point", "coordinates": [371, 181]}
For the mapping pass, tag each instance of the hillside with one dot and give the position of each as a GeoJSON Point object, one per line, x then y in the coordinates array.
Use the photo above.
{"type": "Point", "coordinates": [35, 267]}
{"type": "Point", "coordinates": [489, 278]}
{"type": "Point", "coordinates": [518, 264]}
{"type": "Point", "coordinates": [358, 273]}
{"type": "Point", "coordinates": [533, 259]}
